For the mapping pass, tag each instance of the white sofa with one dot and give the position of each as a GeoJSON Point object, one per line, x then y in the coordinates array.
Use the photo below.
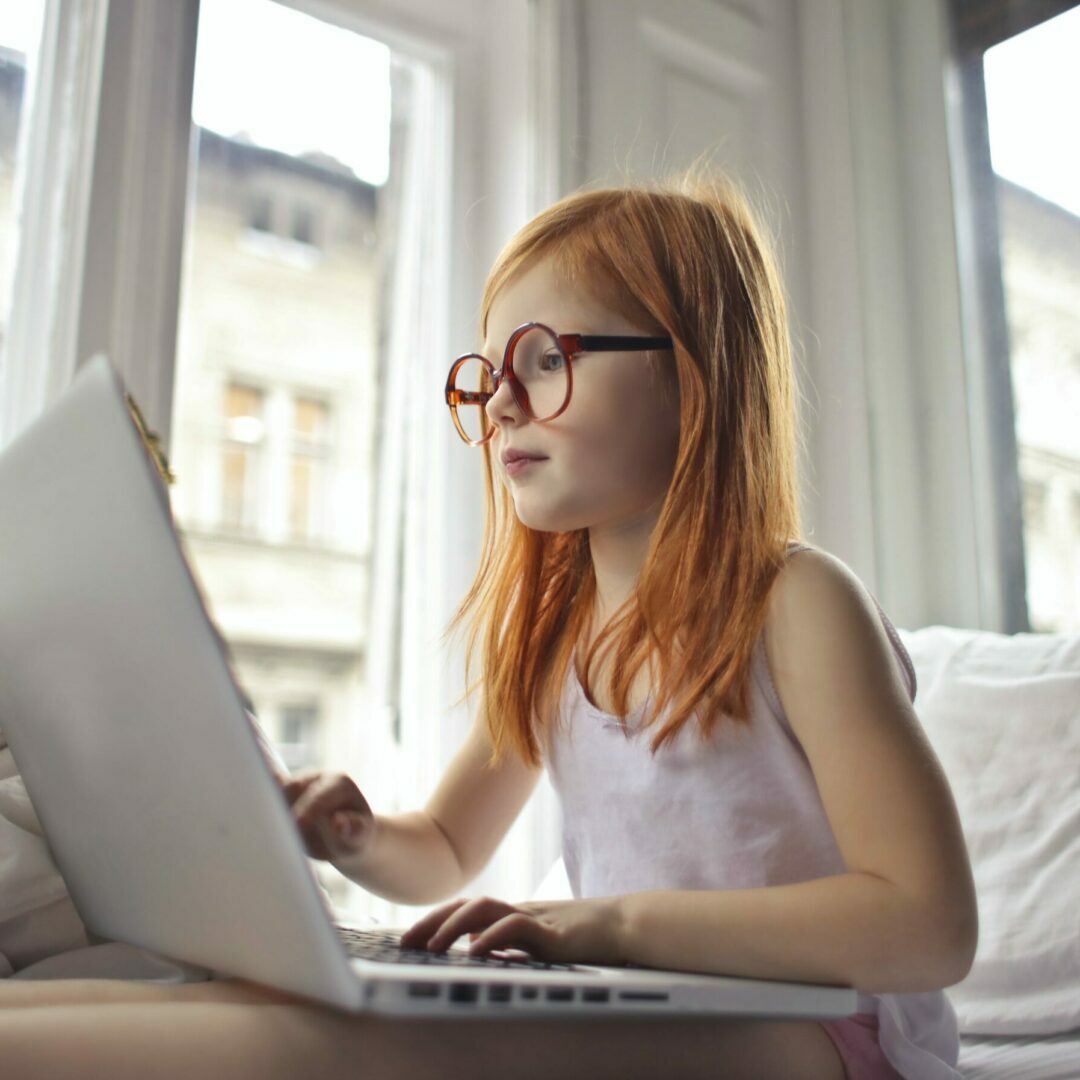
{"type": "Point", "coordinates": [1003, 715]}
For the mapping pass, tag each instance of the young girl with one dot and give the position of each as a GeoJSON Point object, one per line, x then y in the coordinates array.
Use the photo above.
{"type": "Point", "coordinates": [724, 711]}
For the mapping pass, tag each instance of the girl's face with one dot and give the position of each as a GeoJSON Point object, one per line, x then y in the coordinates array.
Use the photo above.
{"type": "Point", "coordinates": [610, 456]}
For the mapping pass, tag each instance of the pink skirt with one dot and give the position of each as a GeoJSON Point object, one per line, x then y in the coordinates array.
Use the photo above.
{"type": "Point", "coordinates": [856, 1040]}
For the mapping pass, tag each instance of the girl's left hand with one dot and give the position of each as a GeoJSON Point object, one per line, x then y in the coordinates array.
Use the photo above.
{"type": "Point", "coordinates": [557, 931]}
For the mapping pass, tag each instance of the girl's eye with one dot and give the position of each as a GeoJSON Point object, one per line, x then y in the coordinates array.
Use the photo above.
{"type": "Point", "coordinates": [550, 356]}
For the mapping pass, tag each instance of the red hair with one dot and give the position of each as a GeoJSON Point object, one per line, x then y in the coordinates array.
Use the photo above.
{"type": "Point", "coordinates": [684, 258]}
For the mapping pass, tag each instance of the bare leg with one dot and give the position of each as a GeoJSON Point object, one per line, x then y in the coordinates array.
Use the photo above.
{"type": "Point", "coordinates": [15, 993]}
{"type": "Point", "coordinates": [257, 1039]}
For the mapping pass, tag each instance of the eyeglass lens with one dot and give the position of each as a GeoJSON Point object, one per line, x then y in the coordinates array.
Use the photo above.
{"type": "Point", "coordinates": [539, 367]}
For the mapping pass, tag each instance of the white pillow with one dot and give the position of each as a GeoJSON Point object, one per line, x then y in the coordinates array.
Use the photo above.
{"type": "Point", "coordinates": [1003, 715]}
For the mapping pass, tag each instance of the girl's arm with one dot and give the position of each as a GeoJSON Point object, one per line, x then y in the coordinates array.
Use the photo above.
{"type": "Point", "coordinates": [424, 856]}
{"type": "Point", "coordinates": [904, 917]}
{"type": "Point", "coordinates": [849, 930]}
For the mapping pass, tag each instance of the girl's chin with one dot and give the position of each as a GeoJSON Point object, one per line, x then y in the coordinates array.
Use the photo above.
{"type": "Point", "coordinates": [534, 518]}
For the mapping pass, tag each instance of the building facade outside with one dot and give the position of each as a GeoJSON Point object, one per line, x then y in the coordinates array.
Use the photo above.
{"type": "Point", "coordinates": [274, 431]}
{"type": "Point", "coordinates": [1040, 255]}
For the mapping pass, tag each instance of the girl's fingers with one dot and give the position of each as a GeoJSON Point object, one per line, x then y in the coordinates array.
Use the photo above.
{"type": "Point", "coordinates": [343, 832]}
{"type": "Point", "coordinates": [297, 785]}
{"type": "Point", "coordinates": [477, 915]}
{"type": "Point", "coordinates": [312, 798]}
{"type": "Point", "coordinates": [318, 801]}
{"type": "Point", "coordinates": [417, 936]}
{"type": "Point", "coordinates": [516, 929]}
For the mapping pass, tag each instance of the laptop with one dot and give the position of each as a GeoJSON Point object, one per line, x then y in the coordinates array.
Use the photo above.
{"type": "Point", "coordinates": [160, 808]}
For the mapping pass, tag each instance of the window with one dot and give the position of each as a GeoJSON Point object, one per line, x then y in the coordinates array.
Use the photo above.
{"type": "Point", "coordinates": [1019, 82]}
{"type": "Point", "coordinates": [1034, 502]}
{"type": "Point", "coordinates": [298, 739]}
{"type": "Point", "coordinates": [262, 214]}
{"type": "Point", "coordinates": [298, 191]}
{"type": "Point", "coordinates": [1037, 177]}
{"type": "Point", "coordinates": [304, 225]}
{"type": "Point", "coordinates": [20, 31]}
{"type": "Point", "coordinates": [276, 442]}
{"type": "Point", "coordinates": [241, 457]}
{"type": "Point", "coordinates": [310, 458]}
{"type": "Point", "coordinates": [199, 297]}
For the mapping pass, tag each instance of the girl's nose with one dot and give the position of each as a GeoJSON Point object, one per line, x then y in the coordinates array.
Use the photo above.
{"type": "Point", "coordinates": [503, 403]}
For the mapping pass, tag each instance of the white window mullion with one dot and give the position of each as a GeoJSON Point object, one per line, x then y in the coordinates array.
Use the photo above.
{"type": "Point", "coordinates": [53, 190]}
{"type": "Point", "coordinates": [130, 297]}
{"type": "Point", "coordinates": [105, 179]}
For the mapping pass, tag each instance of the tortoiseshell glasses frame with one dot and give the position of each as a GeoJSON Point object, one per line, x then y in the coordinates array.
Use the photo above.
{"type": "Point", "coordinates": [569, 345]}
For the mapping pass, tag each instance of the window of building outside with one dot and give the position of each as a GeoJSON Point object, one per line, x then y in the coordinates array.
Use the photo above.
{"type": "Point", "coordinates": [262, 214]}
{"type": "Point", "coordinates": [311, 454]}
{"type": "Point", "coordinates": [20, 32]}
{"type": "Point", "coordinates": [1032, 86]}
{"type": "Point", "coordinates": [295, 183]}
{"type": "Point", "coordinates": [304, 225]}
{"type": "Point", "coordinates": [243, 437]}
{"type": "Point", "coordinates": [298, 735]}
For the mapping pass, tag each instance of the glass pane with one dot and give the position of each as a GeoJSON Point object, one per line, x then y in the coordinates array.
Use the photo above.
{"type": "Point", "coordinates": [300, 517]}
{"type": "Point", "coordinates": [236, 509]}
{"type": "Point", "coordinates": [243, 402]}
{"type": "Point", "coordinates": [20, 33]}
{"type": "Point", "coordinates": [296, 192]}
{"type": "Point", "coordinates": [1032, 86]}
{"type": "Point", "coordinates": [242, 434]}
{"type": "Point", "coordinates": [298, 735]}
{"type": "Point", "coordinates": [310, 419]}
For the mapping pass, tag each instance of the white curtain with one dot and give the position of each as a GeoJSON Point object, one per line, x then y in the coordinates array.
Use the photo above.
{"type": "Point", "coordinates": [405, 691]}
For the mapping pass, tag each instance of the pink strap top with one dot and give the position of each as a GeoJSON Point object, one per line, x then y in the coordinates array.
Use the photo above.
{"type": "Point", "coordinates": [740, 811]}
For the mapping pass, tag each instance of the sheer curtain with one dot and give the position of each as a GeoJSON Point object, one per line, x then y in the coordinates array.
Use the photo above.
{"type": "Point", "coordinates": [395, 746]}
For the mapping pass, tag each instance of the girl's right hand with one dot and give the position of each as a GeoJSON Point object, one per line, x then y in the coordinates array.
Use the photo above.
{"type": "Point", "coordinates": [334, 819]}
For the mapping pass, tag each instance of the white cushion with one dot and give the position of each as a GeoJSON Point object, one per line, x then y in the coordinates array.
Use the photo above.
{"type": "Point", "coordinates": [1003, 715]}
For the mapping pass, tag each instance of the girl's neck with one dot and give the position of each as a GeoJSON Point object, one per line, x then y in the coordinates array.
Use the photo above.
{"type": "Point", "coordinates": [618, 554]}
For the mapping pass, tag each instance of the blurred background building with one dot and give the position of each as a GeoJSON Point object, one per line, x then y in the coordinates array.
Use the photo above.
{"type": "Point", "coordinates": [275, 420]}
{"type": "Point", "coordinates": [1040, 256]}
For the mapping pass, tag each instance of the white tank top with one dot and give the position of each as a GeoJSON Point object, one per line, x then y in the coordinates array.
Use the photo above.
{"type": "Point", "coordinates": [740, 811]}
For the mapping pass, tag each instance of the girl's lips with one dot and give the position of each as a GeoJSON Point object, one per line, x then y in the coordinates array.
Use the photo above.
{"type": "Point", "coordinates": [520, 464]}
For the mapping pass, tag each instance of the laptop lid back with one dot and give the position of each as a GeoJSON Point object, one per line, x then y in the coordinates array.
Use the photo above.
{"type": "Point", "coordinates": [125, 721]}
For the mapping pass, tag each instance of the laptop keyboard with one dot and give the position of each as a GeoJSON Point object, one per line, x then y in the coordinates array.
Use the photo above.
{"type": "Point", "coordinates": [382, 945]}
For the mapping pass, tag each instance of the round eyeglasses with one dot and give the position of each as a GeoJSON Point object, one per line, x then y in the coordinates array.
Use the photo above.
{"type": "Point", "coordinates": [537, 363]}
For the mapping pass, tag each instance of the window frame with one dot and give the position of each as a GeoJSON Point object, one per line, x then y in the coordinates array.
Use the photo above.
{"type": "Point", "coordinates": [986, 334]}
{"type": "Point", "coordinates": [979, 25]}
{"type": "Point", "coordinates": [974, 27]}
